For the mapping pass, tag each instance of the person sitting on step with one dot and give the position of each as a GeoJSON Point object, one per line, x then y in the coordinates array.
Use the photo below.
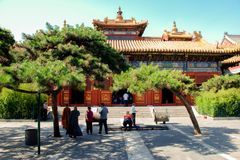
{"type": "Point", "coordinates": [127, 120]}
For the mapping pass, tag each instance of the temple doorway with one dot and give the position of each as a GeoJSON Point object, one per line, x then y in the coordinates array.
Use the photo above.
{"type": "Point", "coordinates": [77, 96]}
{"type": "Point", "coordinates": [167, 96]}
{"type": "Point", "coordinates": [117, 97]}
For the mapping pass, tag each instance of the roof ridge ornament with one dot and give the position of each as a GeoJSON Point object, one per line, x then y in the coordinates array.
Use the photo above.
{"type": "Point", "coordinates": [197, 35]}
{"type": "Point", "coordinates": [119, 14]}
{"type": "Point", "coordinates": [119, 11]}
{"type": "Point", "coordinates": [134, 20]}
{"type": "Point", "coordinates": [105, 19]}
{"type": "Point", "coordinates": [174, 29]}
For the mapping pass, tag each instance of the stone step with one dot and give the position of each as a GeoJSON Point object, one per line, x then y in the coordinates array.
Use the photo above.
{"type": "Point", "coordinates": [142, 112]}
{"type": "Point", "coordinates": [173, 111]}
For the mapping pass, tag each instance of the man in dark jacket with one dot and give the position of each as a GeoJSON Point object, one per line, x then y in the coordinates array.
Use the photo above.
{"type": "Point", "coordinates": [74, 129]}
{"type": "Point", "coordinates": [103, 111]}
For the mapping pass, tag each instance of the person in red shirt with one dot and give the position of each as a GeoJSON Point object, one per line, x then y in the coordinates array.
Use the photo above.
{"type": "Point", "coordinates": [89, 120]}
{"type": "Point", "coordinates": [127, 120]}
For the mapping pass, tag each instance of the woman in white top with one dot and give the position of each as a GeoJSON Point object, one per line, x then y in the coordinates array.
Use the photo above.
{"type": "Point", "coordinates": [125, 98]}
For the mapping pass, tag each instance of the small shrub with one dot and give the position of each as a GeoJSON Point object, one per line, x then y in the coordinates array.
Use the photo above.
{"type": "Point", "coordinates": [15, 105]}
{"type": "Point", "coordinates": [219, 104]}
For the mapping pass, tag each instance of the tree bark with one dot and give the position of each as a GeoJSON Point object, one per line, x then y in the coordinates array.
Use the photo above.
{"type": "Point", "coordinates": [55, 115]}
{"type": "Point", "coordinates": [190, 112]}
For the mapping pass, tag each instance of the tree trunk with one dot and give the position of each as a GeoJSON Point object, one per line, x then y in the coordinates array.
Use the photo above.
{"type": "Point", "coordinates": [190, 112]}
{"type": "Point", "coordinates": [55, 115]}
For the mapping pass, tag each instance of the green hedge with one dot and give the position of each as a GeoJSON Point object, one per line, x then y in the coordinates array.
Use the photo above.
{"type": "Point", "coordinates": [15, 105]}
{"type": "Point", "coordinates": [224, 103]}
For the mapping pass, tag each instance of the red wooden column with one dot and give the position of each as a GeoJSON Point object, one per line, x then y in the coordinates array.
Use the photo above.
{"type": "Point", "coordinates": [59, 97]}
{"type": "Point", "coordinates": [149, 97]}
{"type": "Point", "coordinates": [88, 93]}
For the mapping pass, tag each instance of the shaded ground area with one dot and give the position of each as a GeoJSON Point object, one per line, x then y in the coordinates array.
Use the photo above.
{"type": "Point", "coordinates": [190, 147]}
{"type": "Point", "coordinates": [220, 140]}
{"type": "Point", "coordinates": [94, 146]}
{"type": "Point", "coordinates": [87, 147]}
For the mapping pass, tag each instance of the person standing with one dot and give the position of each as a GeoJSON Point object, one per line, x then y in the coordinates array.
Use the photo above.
{"type": "Point", "coordinates": [134, 114]}
{"type": "Point", "coordinates": [89, 120]}
{"type": "Point", "coordinates": [103, 111]}
{"type": "Point", "coordinates": [65, 118]}
{"type": "Point", "coordinates": [74, 129]}
{"type": "Point", "coordinates": [125, 98]}
{"type": "Point", "coordinates": [44, 111]}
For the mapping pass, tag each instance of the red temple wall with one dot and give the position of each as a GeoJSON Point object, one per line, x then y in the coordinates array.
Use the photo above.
{"type": "Point", "coordinates": [93, 96]}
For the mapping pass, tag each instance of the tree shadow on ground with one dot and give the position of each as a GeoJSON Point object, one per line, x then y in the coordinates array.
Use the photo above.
{"type": "Point", "coordinates": [217, 137]}
{"type": "Point", "coordinates": [12, 140]}
{"type": "Point", "coordinates": [111, 146]}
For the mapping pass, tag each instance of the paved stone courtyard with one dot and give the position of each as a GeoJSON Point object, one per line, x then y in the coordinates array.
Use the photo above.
{"type": "Point", "coordinates": [220, 140]}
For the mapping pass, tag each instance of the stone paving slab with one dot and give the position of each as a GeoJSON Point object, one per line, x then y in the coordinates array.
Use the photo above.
{"type": "Point", "coordinates": [220, 140]}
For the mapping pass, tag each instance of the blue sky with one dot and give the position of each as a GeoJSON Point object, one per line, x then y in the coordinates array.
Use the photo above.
{"type": "Point", "coordinates": [211, 17]}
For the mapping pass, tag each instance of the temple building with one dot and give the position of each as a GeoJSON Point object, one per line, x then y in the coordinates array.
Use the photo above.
{"type": "Point", "coordinates": [179, 50]}
{"type": "Point", "coordinates": [230, 39]}
{"type": "Point", "coordinates": [119, 28]}
{"type": "Point", "coordinates": [232, 64]}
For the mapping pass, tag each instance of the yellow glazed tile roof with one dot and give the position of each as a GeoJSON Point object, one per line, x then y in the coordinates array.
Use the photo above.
{"type": "Point", "coordinates": [156, 46]}
{"type": "Point", "coordinates": [233, 59]}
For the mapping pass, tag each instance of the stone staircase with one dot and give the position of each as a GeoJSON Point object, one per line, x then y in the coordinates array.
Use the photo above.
{"type": "Point", "coordinates": [118, 112]}
{"type": "Point", "coordinates": [173, 111]}
{"type": "Point", "coordinates": [142, 112]}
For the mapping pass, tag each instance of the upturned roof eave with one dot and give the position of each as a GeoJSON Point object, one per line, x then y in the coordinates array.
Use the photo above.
{"type": "Point", "coordinates": [171, 52]}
